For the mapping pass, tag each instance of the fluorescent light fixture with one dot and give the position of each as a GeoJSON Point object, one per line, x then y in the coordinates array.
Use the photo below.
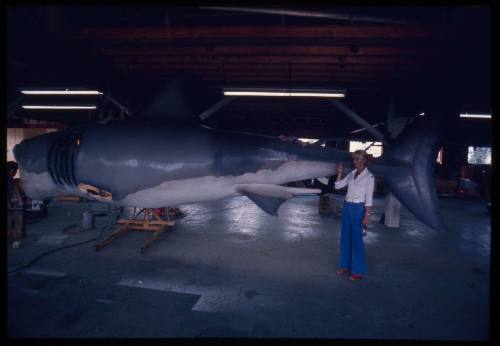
{"type": "Point", "coordinates": [284, 92]}
{"type": "Point", "coordinates": [61, 92]}
{"type": "Point", "coordinates": [291, 94]}
{"type": "Point", "coordinates": [423, 113]}
{"type": "Point", "coordinates": [311, 94]}
{"type": "Point", "coordinates": [58, 107]}
{"type": "Point", "coordinates": [475, 116]}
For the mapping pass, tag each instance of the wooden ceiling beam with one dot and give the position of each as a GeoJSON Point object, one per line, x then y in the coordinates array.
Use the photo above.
{"type": "Point", "coordinates": [361, 80]}
{"type": "Point", "coordinates": [220, 68]}
{"type": "Point", "coordinates": [305, 77]}
{"type": "Point", "coordinates": [385, 32]}
{"type": "Point", "coordinates": [278, 59]}
{"type": "Point", "coordinates": [327, 50]}
{"type": "Point", "coordinates": [285, 74]}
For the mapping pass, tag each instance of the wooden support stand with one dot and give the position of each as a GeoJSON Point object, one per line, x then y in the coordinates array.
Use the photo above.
{"type": "Point", "coordinates": [69, 198]}
{"type": "Point", "coordinates": [150, 223]}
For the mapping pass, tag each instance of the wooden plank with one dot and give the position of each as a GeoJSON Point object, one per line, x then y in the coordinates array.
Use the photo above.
{"type": "Point", "coordinates": [273, 80]}
{"type": "Point", "coordinates": [276, 59]}
{"type": "Point", "coordinates": [328, 50]}
{"type": "Point", "coordinates": [323, 67]}
{"type": "Point", "coordinates": [115, 234]}
{"type": "Point", "coordinates": [141, 222]}
{"type": "Point", "coordinates": [353, 82]}
{"type": "Point", "coordinates": [285, 74]}
{"type": "Point", "coordinates": [152, 238]}
{"type": "Point", "coordinates": [69, 198]}
{"type": "Point", "coordinates": [158, 227]}
{"type": "Point", "coordinates": [406, 31]}
{"type": "Point", "coordinates": [142, 228]}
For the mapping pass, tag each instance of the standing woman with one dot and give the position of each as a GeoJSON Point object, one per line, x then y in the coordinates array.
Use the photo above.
{"type": "Point", "coordinates": [356, 212]}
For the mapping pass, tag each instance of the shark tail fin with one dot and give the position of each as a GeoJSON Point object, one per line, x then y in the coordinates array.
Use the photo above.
{"type": "Point", "coordinates": [408, 169]}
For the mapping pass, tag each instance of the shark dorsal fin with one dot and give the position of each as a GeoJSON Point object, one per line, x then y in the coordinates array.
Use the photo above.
{"type": "Point", "coordinates": [183, 98]}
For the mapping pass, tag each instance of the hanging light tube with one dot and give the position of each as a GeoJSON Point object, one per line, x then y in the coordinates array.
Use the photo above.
{"type": "Point", "coordinates": [475, 116]}
{"type": "Point", "coordinates": [284, 93]}
{"type": "Point", "coordinates": [61, 92]}
{"type": "Point", "coordinates": [58, 107]}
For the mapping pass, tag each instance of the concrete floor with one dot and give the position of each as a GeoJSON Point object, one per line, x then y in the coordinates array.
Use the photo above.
{"type": "Point", "coordinates": [229, 270]}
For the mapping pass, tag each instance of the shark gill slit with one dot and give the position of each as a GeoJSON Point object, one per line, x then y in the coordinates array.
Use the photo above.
{"type": "Point", "coordinates": [61, 161]}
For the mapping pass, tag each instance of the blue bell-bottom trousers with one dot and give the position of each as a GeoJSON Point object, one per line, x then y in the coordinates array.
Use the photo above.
{"type": "Point", "coordinates": [352, 248]}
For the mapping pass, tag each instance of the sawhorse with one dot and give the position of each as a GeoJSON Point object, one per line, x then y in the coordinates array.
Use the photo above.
{"type": "Point", "coordinates": [150, 223]}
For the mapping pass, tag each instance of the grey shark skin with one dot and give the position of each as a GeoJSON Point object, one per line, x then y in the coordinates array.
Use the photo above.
{"type": "Point", "coordinates": [150, 166]}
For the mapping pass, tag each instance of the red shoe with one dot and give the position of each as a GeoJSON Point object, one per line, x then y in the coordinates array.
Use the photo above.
{"type": "Point", "coordinates": [355, 277]}
{"type": "Point", "coordinates": [342, 271]}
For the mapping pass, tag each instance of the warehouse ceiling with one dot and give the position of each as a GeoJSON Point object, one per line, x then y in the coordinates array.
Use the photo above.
{"type": "Point", "coordinates": [425, 59]}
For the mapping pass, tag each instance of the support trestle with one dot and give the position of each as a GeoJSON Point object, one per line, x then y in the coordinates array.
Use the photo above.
{"type": "Point", "coordinates": [150, 222]}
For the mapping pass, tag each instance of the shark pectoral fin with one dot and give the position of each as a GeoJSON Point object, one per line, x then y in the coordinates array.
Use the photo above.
{"type": "Point", "coordinates": [269, 204]}
{"type": "Point", "coordinates": [268, 197]}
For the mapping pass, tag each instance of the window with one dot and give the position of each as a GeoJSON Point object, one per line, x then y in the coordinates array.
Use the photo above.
{"type": "Point", "coordinates": [311, 141]}
{"type": "Point", "coordinates": [375, 148]}
{"type": "Point", "coordinates": [308, 140]}
{"type": "Point", "coordinates": [479, 155]}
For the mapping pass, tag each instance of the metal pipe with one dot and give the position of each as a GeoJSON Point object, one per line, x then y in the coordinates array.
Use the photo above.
{"type": "Point", "coordinates": [354, 116]}
{"type": "Point", "coordinates": [224, 101]}
{"type": "Point", "coordinates": [363, 129]}
{"type": "Point", "coordinates": [118, 104]}
{"type": "Point", "coordinates": [311, 14]}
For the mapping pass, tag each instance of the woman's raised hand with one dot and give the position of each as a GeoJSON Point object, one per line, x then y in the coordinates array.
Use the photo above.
{"type": "Point", "coordinates": [340, 168]}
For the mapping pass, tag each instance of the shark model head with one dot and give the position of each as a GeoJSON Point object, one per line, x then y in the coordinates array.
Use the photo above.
{"type": "Point", "coordinates": [46, 165]}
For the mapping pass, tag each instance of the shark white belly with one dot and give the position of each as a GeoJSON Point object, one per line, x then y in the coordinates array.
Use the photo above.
{"type": "Point", "coordinates": [175, 192]}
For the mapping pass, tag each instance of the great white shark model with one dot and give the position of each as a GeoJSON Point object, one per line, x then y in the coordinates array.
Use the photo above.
{"type": "Point", "coordinates": [149, 165]}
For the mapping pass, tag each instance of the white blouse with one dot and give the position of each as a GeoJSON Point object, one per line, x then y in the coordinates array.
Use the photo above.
{"type": "Point", "coordinates": [359, 190]}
